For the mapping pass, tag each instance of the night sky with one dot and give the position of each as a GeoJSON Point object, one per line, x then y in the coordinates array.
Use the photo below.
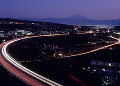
{"type": "Point", "coordinates": [93, 9]}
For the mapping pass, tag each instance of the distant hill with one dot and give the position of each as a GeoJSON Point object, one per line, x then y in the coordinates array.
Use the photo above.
{"type": "Point", "coordinates": [76, 20]}
{"type": "Point", "coordinates": [13, 24]}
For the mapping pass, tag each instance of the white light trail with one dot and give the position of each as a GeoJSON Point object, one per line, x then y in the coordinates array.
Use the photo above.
{"type": "Point", "coordinates": [26, 70]}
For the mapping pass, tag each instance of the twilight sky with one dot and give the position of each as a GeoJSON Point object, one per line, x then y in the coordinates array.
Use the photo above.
{"type": "Point", "coordinates": [93, 9]}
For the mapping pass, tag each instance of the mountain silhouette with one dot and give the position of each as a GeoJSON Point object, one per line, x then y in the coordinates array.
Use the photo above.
{"type": "Point", "coordinates": [76, 19]}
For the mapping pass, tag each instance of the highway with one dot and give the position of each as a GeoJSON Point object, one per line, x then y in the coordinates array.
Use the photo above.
{"type": "Point", "coordinates": [26, 74]}
{"type": "Point", "coordinates": [20, 71]}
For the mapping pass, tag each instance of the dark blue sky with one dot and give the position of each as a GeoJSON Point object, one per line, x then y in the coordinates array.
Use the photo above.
{"type": "Point", "coordinates": [93, 9]}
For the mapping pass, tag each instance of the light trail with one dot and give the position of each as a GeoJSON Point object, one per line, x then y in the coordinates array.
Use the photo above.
{"type": "Point", "coordinates": [118, 41]}
{"type": "Point", "coordinates": [22, 68]}
{"type": "Point", "coordinates": [7, 60]}
{"type": "Point", "coordinates": [80, 82]}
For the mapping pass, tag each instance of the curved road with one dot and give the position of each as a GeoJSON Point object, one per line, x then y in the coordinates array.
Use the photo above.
{"type": "Point", "coordinates": [26, 74]}
{"type": "Point", "coordinates": [20, 71]}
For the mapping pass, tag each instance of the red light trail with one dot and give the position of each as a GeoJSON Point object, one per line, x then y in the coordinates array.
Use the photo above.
{"type": "Point", "coordinates": [80, 82]}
